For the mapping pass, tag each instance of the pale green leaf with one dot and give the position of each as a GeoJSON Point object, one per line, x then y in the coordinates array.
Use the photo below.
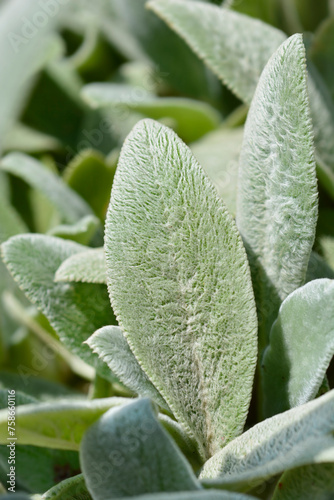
{"type": "Point", "coordinates": [301, 347]}
{"type": "Point", "coordinates": [234, 46]}
{"type": "Point", "coordinates": [296, 437]}
{"type": "Point", "coordinates": [193, 118]}
{"type": "Point", "coordinates": [85, 267]}
{"type": "Point", "coordinates": [327, 247]}
{"type": "Point", "coordinates": [179, 283]}
{"type": "Point", "coordinates": [10, 221]}
{"type": "Point", "coordinates": [218, 153]}
{"type": "Point", "coordinates": [277, 191]}
{"type": "Point", "coordinates": [73, 488]}
{"type": "Point", "coordinates": [68, 203]}
{"type": "Point", "coordinates": [127, 453]}
{"type": "Point", "coordinates": [111, 346]}
{"type": "Point", "coordinates": [312, 482]}
{"type": "Point", "coordinates": [26, 139]}
{"type": "Point", "coordinates": [82, 231]}
{"type": "Point", "coordinates": [60, 425]}
{"type": "Point", "coordinates": [74, 310]}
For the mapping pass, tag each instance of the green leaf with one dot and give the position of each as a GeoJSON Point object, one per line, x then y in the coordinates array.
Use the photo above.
{"type": "Point", "coordinates": [10, 221]}
{"type": "Point", "coordinates": [60, 425]}
{"type": "Point", "coordinates": [68, 203]}
{"type": "Point", "coordinates": [74, 310]}
{"type": "Point", "coordinates": [73, 488]}
{"type": "Point", "coordinates": [127, 453]}
{"type": "Point", "coordinates": [234, 46]}
{"type": "Point", "coordinates": [179, 283]}
{"type": "Point", "coordinates": [28, 140]}
{"type": "Point", "coordinates": [82, 231]}
{"type": "Point", "coordinates": [86, 267]}
{"type": "Point", "coordinates": [111, 346]}
{"type": "Point", "coordinates": [301, 347]}
{"type": "Point", "coordinates": [277, 191]}
{"type": "Point", "coordinates": [214, 34]}
{"type": "Point", "coordinates": [176, 63]}
{"type": "Point", "coordinates": [25, 48]}
{"type": "Point", "coordinates": [327, 246]}
{"type": "Point", "coordinates": [91, 177]}
{"type": "Point", "coordinates": [296, 437]}
{"type": "Point", "coordinates": [306, 483]}
{"type": "Point", "coordinates": [218, 153]}
{"type": "Point", "coordinates": [318, 268]}
{"type": "Point", "coordinates": [193, 118]}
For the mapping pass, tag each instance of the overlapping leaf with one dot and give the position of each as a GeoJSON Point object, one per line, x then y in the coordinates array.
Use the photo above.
{"type": "Point", "coordinates": [301, 347]}
{"type": "Point", "coordinates": [306, 483]}
{"type": "Point", "coordinates": [85, 267]}
{"type": "Point", "coordinates": [111, 346]}
{"type": "Point", "coordinates": [179, 282]}
{"type": "Point", "coordinates": [301, 436]}
{"type": "Point", "coordinates": [127, 453]}
{"type": "Point", "coordinates": [75, 310]}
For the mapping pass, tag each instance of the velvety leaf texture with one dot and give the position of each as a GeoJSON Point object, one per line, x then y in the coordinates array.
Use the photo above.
{"type": "Point", "coordinates": [75, 310]}
{"type": "Point", "coordinates": [195, 495]}
{"type": "Point", "coordinates": [86, 267]}
{"type": "Point", "coordinates": [301, 347]}
{"type": "Point", "coordinates": [307, 483]}
{"type": "Point", "coordinates": [277, 191]}
{"type": "Point", "coordinates": [73, 488]}
{"type": "Point", "coordinates": [296, 437]}
{"type": "Point", "coordinates": [127, 453]}
{"type": "Point", "coordinates": [110, 344]}
{"type": "Point", "coordinates": [234, 46]}
{"type": "Point", "coordinates": [179, 282]}
{"type": "Point", "coordinates": [58, 426]}
{"type": "Point", "coordinates": [82, 231]}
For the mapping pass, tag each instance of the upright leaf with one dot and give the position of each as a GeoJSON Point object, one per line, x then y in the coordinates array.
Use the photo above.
{"type": "Point", "coordinates": [277, 191]}
{"type": "Point", "coordinates": [303, 435]}
{"type": "Point", "coordinates": [301, 347]}
{"type": "Point", "coordinates": [179, 283]}
{"type": "Point", "coordinates": [306, 483]}
{"type": "Point", "coordinates": [236, 47]}
{"type": "Point", "coordinates": [68, 203]}
{"type": "Point", "coordinates": [111, 346]}
{"type": "Point", "coordinates": [127, 453]}
{"type": "Point", "coordinates": [75, 310]}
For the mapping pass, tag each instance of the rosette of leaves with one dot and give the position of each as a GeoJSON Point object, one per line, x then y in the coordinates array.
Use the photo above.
{"type": "Point", "coordinates": [200, 300]}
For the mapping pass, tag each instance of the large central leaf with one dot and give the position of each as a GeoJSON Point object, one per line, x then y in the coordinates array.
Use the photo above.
{"type": "Point", "coordinates": [179, 282]}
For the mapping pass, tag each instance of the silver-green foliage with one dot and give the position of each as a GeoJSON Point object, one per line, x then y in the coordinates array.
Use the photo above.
{"type": "Point", "coordinates": [179, 283]}
{"type": "Point", "coordinates": [84, 267]}
{"type": "Point", "coordinates": [277, 190]}
{"type": "Point", "coordinates": [306, 483]}
{"type": "Point", "coordinates": [301, 347]}
{"type": "Point", "coordinates": [127, 453]}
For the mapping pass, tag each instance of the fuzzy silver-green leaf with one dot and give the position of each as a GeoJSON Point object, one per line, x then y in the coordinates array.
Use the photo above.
{"type": "Point", "coordinates": [179, 282]}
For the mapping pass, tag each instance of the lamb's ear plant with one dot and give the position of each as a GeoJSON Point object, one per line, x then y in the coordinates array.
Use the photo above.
{"type": "Point", "coordinates": [204, 309]}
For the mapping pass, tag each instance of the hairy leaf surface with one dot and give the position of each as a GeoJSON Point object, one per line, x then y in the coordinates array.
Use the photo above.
{"type": "Point", "coordinates": [277, 190]}
{"type": "Point", "coordinates": [301, 347]}
{"type": "Point", "coordinates": [73, 488]}
{"type": "Point", "coordinates": [111, 346]}
{"type": "Point", "coordinates": [127, 453]}
{"type": "Point", "coordinates": [75, 310]}
{"type": "Point", "coordinates": [85, 267]}
{"type": "Point", "coordinates": [82, 231]}
{"type": "Point", "coordinates": [179, 282]}
{"type": "Point", "coordinates": [296, 437]}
